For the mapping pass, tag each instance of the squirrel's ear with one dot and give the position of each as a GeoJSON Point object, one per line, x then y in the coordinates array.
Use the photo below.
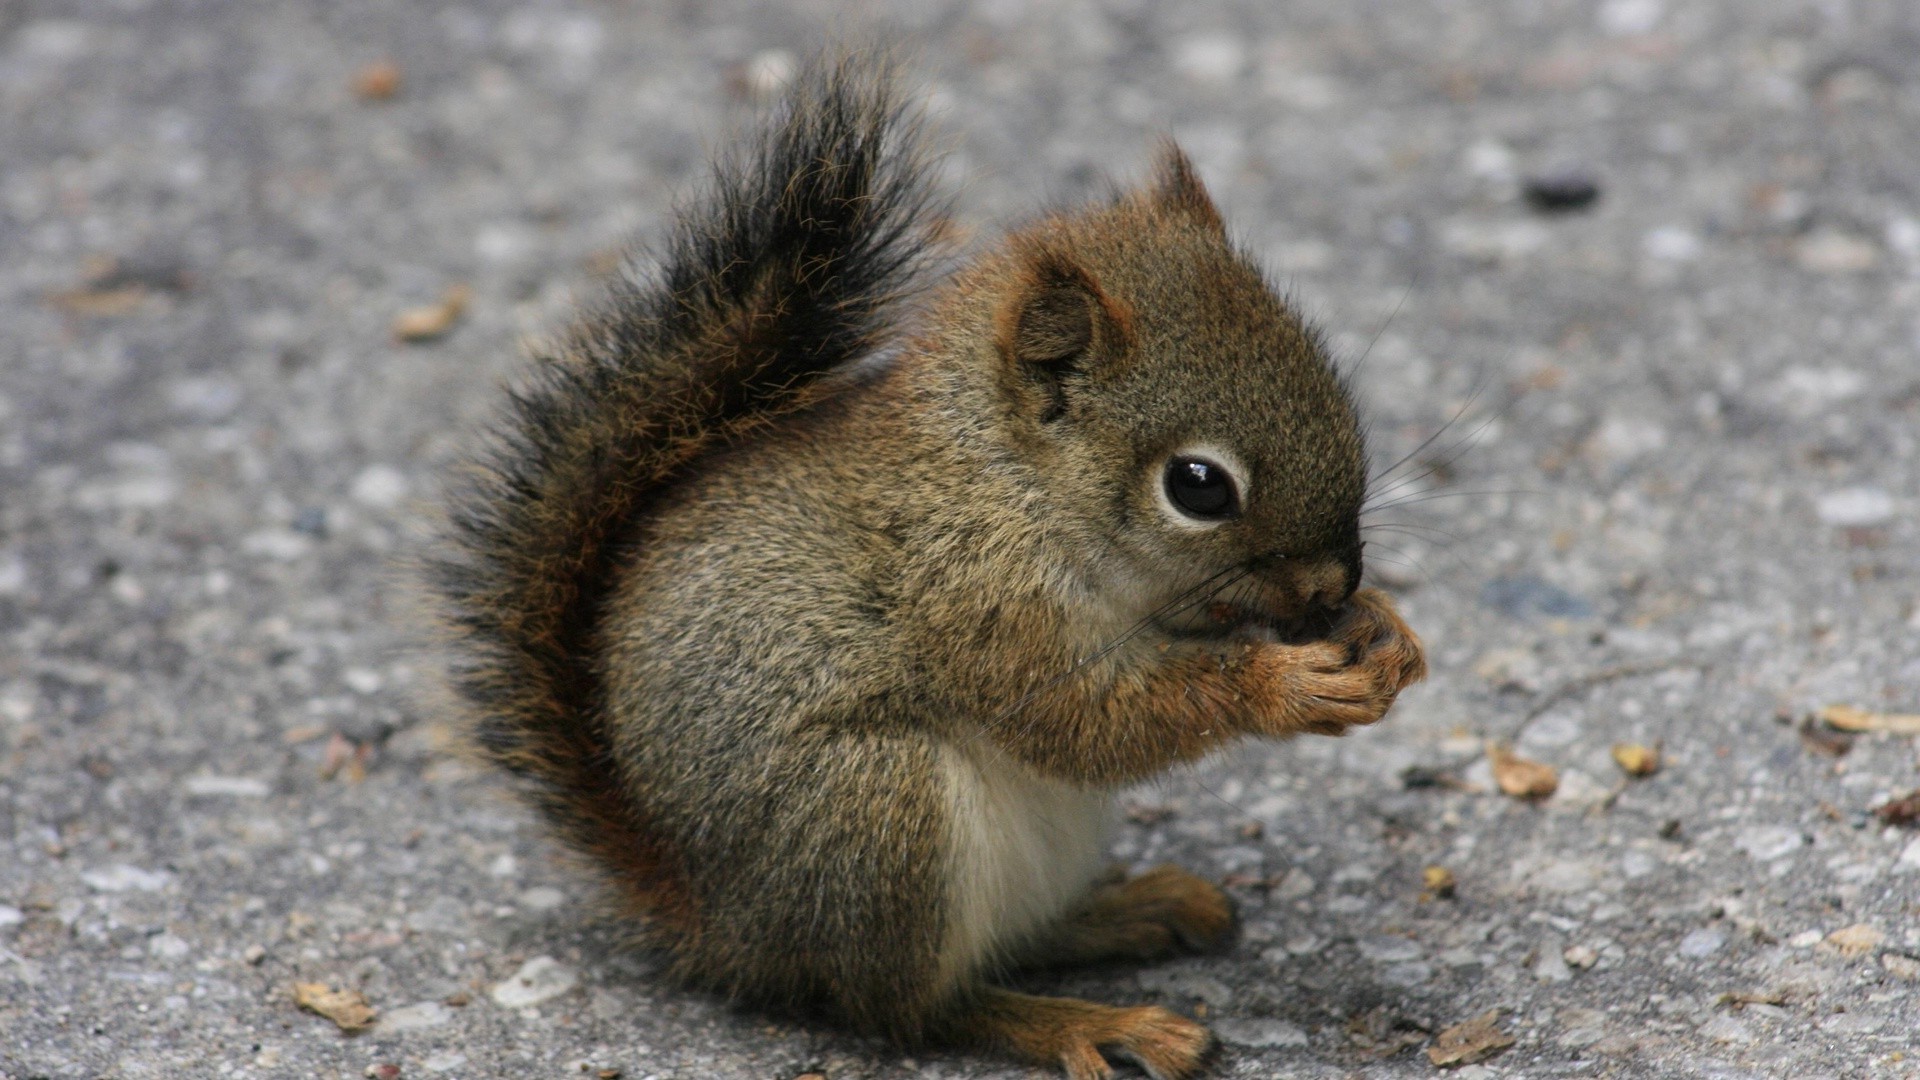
{"type": "Point", "coordinates": [1054, 319]}
{"type": "Point", "coordinates": [1177, 186]}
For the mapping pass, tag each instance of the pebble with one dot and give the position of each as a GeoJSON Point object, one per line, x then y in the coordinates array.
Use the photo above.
{"type": "Point", "coordinates": [1565, 876]}
{"type": "Point", "coordinates": [1904, 968]}
{"type": "Point", "coordinates": [542, 898]}
{"type": "Point", "coordinates": [1493, 242]}
{"type": "Point", "coordinates": [123, 878]}
{"type": "Point", "coordinates": [1765, 843]}
{"type": "Point", "coordinates": [766, 72]}
{"type": "Point", "coordinates": [1406, 975]}
{"type": "Point", "coordinates": [1855, 508]}
{"type": "Point", "coordinates": [1523, 596]}
{"type": "Point", "coordinates": [426, 1014]}
{"type": "Point", "coordinates": [10, 915]}
{"type": "Point", "coordinates": [445, 1061]}
{"type": "Point", "coordinates": [1726, 1029]}
{"type": "Point", "coordinates": [1561, 190]}
{"type": "Point", "coordinates": [168, 947]}
{"type": "Point", "coordinates": [1259, 1031]}
{"type": "Point", "coordinates": [379, 486]}
{"type": "Point", "coordinates": [1187, 984]}
{"type": "Point", "coordinates": [1550, 966]}
{"type": "Point", "coordinates": [1622, 18]}
{"type": "Point", "coordinates": [1671, 244]}
{"type": "Point", "coordinates": [1703, 942]}
{"type": "Point", "coordinates": [237, 787]}
{"type": "Point", "coordinates": [540, 979]}
{"type": "Point", "coordinates": [1210, 57]}
{"type": "Point", "coordinates": [1829, 251]}
{"type": "Point", "coordinates": [1910, 858]}
{"type": "Point", "coordinates": [1389, 949]}
{"type": "Point", "coordinates": [1807, 939]}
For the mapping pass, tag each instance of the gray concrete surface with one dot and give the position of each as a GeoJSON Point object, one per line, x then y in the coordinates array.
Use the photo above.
{"type": "Point", "coordinates": [1679, 508]}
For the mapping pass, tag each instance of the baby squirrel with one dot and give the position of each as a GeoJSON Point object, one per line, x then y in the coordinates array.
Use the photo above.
{"type": "Point", "coordinates": [828, 636]}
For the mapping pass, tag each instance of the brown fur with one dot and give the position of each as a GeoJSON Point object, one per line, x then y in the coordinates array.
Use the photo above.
{"type": "Point", "coordinates": [738, 601]}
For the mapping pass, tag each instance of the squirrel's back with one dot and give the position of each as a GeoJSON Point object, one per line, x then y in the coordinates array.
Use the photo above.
{"type": "Point", "coordinates": [786, 270]}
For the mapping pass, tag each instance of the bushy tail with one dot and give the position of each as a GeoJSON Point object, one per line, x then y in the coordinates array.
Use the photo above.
{"type": "Point", "coordinates": [785, 269]}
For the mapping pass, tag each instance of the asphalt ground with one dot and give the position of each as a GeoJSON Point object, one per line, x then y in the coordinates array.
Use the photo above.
{"type": "Point", "coordinates": [1671, 504]}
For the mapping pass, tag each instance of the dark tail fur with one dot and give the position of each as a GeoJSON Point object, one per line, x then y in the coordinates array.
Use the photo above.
{"type": "Point", "coordinates": [786, 269]}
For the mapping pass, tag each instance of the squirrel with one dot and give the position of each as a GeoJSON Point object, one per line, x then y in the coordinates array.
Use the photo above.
{"type": "Point", "coordinates": [824, 610]}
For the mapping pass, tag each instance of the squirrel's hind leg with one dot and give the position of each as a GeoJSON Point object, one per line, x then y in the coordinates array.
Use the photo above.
{"type": "Point", "coordinates": [1078, 1036]}
{"type": "Point", "coordinates": [1162, 913]}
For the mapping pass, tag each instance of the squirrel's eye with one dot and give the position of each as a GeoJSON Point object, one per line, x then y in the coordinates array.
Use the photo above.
{"type": "Point", "coordinates": [1200, 488]}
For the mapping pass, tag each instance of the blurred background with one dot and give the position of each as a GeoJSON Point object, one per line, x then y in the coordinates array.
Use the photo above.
{"type": "Point", "coordinates": [1636, 285]}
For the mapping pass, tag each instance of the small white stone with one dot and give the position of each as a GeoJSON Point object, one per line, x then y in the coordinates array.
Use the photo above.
{"type": "Point", "coordinates": [1491, 160]}
{"type": "Point", "coordinates": [445, 1061]}
{"type": "Point", "coordinates": [1549, 966]}
{"type": "Point", "coordinates": [1807, 939]}
{"type": "Point", "coordinates": [1857, 507]}
{"type": "Point", "coordinates": [380, 486]}
{"type": "Point", "coordinates": [281, 545]}
{"type": "Point", "coordinates": [10, 915]}
{"type": "Point", "coordinates": [1910, 858]}
{"type": "Point", "coordinates": [1304, 946]}
{"type": "Point", "coordinates": [542, 898]}
{"type": "Point", "coordinates": [123, 878]}
{"type": "Point", "coordinates": [1187, 984]}
{"type": "Point", "coordinates": [426, 1014]}
{"type": "Point", "coordinates": [1389, 949]}
{"type": "Point", "coordinates": [540, 979]}
{"type": "Point", "coordinates": [1259, 1031]}
{"type": "Point", "coordinates": [767, 71]}
{"type": "Point", "coordinates": [1406, 975]}
{"type": "Point", "coordinates": [1829, 251]}
{"type": "Point", "coordinates": [1580, 956]}
{"type": "Point", "coordinates": [1298, 883]}
{"type": "Point", "coordinates": [1765, 843]}
{"type": "Point", "coordinates": [1565, 876]}
{"type": "Point", "coordinates": [1210, 57]}
{"type": "Point", "coordinates": [1493, 241]}
{"type": "Point", "coordinates": [1725, 1029]}
{"type": "Point", "coordinates": [1703, 942]}
{"type": "Point", "coordinates": [1620, 18]}
{"type": "Point", "coordinates": [1671, 244]}
{"type": "Point", "coordinates": [504, 866]}
{"type": "Point", "coordinates": [238, 787]}
{"type": "Point", "coordinates": [167, 947]}
{"type": "Point", "coordinates": [362, 680]}
{"type": "Point", "coordinates": [13, 575]}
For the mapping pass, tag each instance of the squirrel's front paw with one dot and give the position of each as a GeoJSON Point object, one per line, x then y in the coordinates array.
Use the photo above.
{"type": "Point", "coordinates": [1329, 686]}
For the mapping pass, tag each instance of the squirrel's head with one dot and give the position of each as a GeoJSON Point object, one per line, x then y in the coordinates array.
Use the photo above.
{"type": "Point", "coordinates": [1177, 406]}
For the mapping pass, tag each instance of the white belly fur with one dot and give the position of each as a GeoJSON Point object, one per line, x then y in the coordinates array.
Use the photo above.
{"type": "Point", "coordinates": [1025, 848]}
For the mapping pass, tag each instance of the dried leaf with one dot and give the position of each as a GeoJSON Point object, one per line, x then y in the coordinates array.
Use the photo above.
{"type": "Point", "coordinates": [348, 1009]}
{"type": "Point", "coordinates": [1469, 1042]}
{"type": "Point", "coordinates": [377, 81]}
{"type": "Point", "coordinates": [1851, 718]}
{"type": "Point", "coordinates": [1856, 940]}
{"type": "Point", "coordinates": [1438, 882]}
{"type": "Point", "coordinates": [100, 303]}
{"type": "Point", "coordinates": [1635, 759]}
{"type": "Point", "coordinates": [1824, 741]}
{"type": "Point", "coordinates": [1519, 777]}
{"type": "Point", "coordinates": [1740, 999]}
{"type": "Point", "coordinates": [433, 320]}
{"type": "Point", "coordinates": [1904, 810]}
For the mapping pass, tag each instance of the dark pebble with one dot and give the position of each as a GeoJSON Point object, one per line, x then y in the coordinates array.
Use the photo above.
{"type": "Point", "coordinates": [1560, 192]}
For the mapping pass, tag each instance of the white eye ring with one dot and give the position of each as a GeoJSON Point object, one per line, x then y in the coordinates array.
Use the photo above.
{"type": "Point", "coordinates": [1227, 464]}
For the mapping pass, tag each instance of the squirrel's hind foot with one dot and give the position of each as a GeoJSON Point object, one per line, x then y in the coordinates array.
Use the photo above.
{"type": "Point", "coordinates": [1079, 1036]}
{"type": "Point", "coordinates": [1162, 913]}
